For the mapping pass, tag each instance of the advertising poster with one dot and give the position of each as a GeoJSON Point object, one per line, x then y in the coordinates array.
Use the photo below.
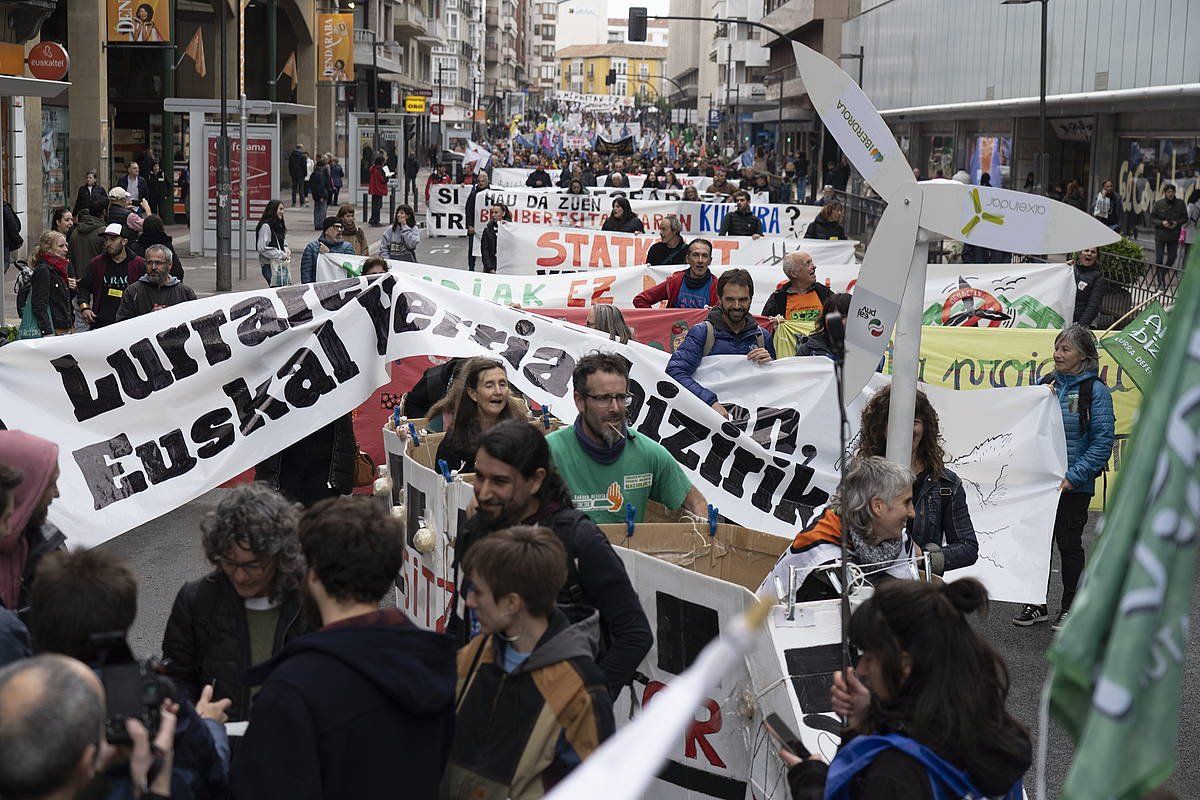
{"type": "Point", "coordinates": [260, 160]}
{"type": "Point", "coordinates": [147, 21]}
{"type": "Point", "coordinates": [335, 47]}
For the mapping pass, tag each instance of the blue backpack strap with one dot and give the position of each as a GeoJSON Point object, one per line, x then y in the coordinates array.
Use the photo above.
{"type": "Point", "coordinates": [947, 781]}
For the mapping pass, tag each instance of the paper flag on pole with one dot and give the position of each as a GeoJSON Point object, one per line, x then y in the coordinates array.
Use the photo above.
{"type": "Point", "coordinates": [289, 69]}
{"type": "Point", "coordinates": [195, 51]}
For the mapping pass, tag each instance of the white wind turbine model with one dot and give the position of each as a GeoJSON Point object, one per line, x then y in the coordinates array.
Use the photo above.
{"type": "Point", "coordinates": [890, 295]}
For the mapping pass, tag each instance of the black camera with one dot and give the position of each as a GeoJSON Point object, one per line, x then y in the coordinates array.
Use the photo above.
{"type": "Point", "coordinates": [133, 689]}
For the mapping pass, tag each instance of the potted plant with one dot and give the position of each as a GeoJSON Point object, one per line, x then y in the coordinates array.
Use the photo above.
{"type": "Point", "coordinates": [1122, 263]}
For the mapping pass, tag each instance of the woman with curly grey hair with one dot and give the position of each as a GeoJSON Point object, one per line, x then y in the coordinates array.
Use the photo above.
{"type": "Point", "coordinates": [244, 611]}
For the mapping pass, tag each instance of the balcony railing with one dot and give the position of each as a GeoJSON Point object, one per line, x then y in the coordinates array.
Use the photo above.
{"type": "Point", "coordinates": [409, 18]}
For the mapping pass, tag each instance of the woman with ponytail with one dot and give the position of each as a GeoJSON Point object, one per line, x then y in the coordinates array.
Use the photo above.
{"type": "Point", "coordinates": [925, 704]}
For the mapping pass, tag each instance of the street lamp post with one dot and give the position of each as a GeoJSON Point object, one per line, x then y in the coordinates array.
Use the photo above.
{"type": "Point", "coordinates": [375, 45]}
{"type": "Point", "coordinates": [1040, 166]}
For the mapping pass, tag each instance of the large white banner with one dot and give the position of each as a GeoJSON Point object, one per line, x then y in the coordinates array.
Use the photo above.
{"type": "Point", "coordinates": [446, 214]}
{"type": "Point", "coordinates": [526, 249]}
{"type": "Point", "coordinates": [151, 412]}
{"type": "Point", "coordinates": [514, 177]}
{"type": "Point", "coordinates": [960, 295]}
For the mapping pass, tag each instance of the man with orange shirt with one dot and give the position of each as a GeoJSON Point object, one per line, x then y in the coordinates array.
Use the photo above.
{"type": "Point", "coordinates": [800, 298]}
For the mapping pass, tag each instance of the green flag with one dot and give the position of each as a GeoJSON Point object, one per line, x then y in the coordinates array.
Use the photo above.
{"type": "Point", "coordinates": [1118, 662]}
{"type": "Point", "coordinates": [1137, 347]}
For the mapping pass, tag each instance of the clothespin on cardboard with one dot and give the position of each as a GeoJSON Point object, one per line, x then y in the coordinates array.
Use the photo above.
{"type": "Point", "coordinates": [630, 515]}
{"type": "Point", "coordinates": [412, 434]}
{"type": "Point", "coordinates": [396, 417]}
{"type": "Point", "coordinates": [444, 468]}
{"type": "Point", "coordinates": [712, 520]}
{"type": "Point", "coordinates": [546, 417]}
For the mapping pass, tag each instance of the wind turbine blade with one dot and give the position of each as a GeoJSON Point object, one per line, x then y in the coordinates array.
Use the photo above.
{"type": "Point", "coordinates": [880, 287]}
{"type": "Point", "coordinates": [859, 130]}
{"type": "Point", "coordinates": [1015, 222]}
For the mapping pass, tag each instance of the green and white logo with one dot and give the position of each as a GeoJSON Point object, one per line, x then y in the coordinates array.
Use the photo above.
{"type": "Point", "coordinates": [980, 215]}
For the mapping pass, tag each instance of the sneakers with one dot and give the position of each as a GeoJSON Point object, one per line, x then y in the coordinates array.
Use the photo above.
{"type": "Point", "coordinates": [1062, 620]}
{"type": "Point", "coordinates": [1031, 615]}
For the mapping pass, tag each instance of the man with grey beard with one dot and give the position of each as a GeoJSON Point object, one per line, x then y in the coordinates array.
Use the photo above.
{"type": "Point", "coordinates": [158, 288]}
{"type": "Point", "coordinates": [605, 464]}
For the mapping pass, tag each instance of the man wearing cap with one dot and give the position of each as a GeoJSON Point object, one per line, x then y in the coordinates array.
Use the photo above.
{"type": "Point", "coordinates": [330, 241]}
{"type": "Point", "coordinates": [158, 288]}
{"type": "Point", "coordinates": [102, 286]}
{"type": "Point", "coordinates": [120, 212]}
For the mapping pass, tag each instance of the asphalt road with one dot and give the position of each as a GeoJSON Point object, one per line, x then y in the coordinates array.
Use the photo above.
{"type": "Point", "coordinates": [166, 553]}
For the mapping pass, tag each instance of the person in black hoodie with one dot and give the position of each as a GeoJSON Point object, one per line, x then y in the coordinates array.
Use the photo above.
{"type": "Point", "coordinates": [516, 484]}
{"type": "Point", "coordinates": [319, 466]}
{"type": "Point", "coordinates": [925, 704]}
{"type": "Point", "coordinates": [539, 178]}
{"type": "Point", "coordinates": [363, 707]}
{"type": "Point", "coordinates": [828, 224]}
{"type": "Point", "coordinates": [89, 194]}
{"type": "Point", "coordinates": [154, 232]}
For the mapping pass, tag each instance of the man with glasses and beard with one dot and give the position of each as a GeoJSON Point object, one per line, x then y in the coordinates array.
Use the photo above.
{"type": "Point", "coordinates": [516, 484]}
{"type": "Point", "coordinates": [158, 288]}
{"type": "Point", "coordinates": [606, 464]}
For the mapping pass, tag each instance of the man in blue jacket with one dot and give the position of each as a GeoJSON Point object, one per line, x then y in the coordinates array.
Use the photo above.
{"type": "Point", "coordinates": [729, 329]}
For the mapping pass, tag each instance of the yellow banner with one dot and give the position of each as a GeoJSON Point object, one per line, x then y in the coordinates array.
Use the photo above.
{"type": "Point", "coordinates": [988, 358]}
{"type": "Point", "coordinates": [335, 47]}
{"type": "Point", "coordinates": [139, 20]}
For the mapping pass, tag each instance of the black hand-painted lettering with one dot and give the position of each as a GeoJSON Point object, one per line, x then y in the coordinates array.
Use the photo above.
{"type": "Point", "coordinates": [213, 432]}
{"type": "Point", "coordinates": [209, 328]}
{"type": "Point", "coordinates": [690, 432]}
{"type": "Point", "coordinates": [104, 479]}
{"type": "Point", "coordinates": [250, 410]}
{"type": "Point", "coordinates": [744, 463]}
{"type": "Point", "coordinates": [335, 350]}
{"type": "Point", "coordinates": [306, 379]}
{"type": "Point", "coordinates": [372, 301]}
{"type": "Point", "coordinates": [553, 373]}
{"type": "Point", "coordinates": [173, 341]}
{"type": "Point", "coordinates": [177, 451]}
{"type": "Point", "coordinates": [262, 322]}
{"type": "Point", "coordinates": [108, 395]}
{"type": "Point", "coordinates": [292, 298]}
{"type": "Point", "coordinates": [413, 312]}
{"type": "Point", "coordinates": [335, 294]}
{"type": "Point", "coordinates": [132, 383]}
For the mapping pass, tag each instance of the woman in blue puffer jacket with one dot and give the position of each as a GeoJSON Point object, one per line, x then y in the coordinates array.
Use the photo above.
{"type": "Point", "coordinates": [1090, 433]}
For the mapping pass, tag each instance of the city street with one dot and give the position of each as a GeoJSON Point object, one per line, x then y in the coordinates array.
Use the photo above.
{"type": "Point", "coordinates": [166, 553]}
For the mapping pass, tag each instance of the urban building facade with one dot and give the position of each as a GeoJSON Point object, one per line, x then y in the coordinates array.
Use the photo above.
{"type": "Point", "coordinates": [581, 22]}
{"type": "Point", "coordinates": [1123, 101]}
{"type": "Point", "coordinates": [638, 69]}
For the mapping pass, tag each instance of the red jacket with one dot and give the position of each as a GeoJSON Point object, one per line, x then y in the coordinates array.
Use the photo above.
{"type": "Point", "coordinates": [378, 183]}
{"type": "Point", "coordinates": [668, 290]}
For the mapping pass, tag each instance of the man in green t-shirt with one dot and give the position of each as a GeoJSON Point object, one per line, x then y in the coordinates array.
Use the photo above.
{"type": "Point", "coordinates": [604, 463]}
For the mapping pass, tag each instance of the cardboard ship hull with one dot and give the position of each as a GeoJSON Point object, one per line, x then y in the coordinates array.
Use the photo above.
{"type": "Point", "coordinates": [691, 585]}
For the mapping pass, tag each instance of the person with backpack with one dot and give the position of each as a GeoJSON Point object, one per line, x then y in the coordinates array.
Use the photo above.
{"type": "Point", "coordinates": [1087, 411]}
{"type": "Point", "coordinates": [516, 484]}
{"type": "Point", "coordinates": [729, 329]}
{"type": "Point", "coordinates": [924, 704]}
{"type": "Point", "coordinates": [531, 702]}
{"type": "Point", "coordinates": [50, 284]}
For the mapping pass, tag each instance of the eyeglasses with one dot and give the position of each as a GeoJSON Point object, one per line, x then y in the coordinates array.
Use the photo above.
{"type": "Point", "coordinates": [156, 261]}
{"type": "Point", "coordinates": [249, 567]}
{"type": "Point", "coordinates": [606, 399]}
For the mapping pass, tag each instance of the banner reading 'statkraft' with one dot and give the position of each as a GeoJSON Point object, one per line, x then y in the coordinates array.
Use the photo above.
{"type": "Point", "coordinates": [956, 295]}
{"type": "Point", "coordinates": [528, 249]}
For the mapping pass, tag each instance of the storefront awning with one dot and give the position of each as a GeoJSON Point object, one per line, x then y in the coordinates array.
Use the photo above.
{"type": "Point", "coordinates": [15, 86]}
{"type": "Point", "coordinates": [1150, 98]}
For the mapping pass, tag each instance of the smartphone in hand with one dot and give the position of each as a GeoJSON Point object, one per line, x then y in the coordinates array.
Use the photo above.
{"type": "Point", "coordinates": [784, 737]}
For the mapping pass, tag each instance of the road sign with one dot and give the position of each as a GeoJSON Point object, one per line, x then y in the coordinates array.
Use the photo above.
{"type": "Point", "coordinates": [715, 116]}
{"type": "Point", "coordinates": [437, 108]}
{"type": "Point", "coordinates": [423, 92]}
{"type": "Point", "coordinates": [414, 104]}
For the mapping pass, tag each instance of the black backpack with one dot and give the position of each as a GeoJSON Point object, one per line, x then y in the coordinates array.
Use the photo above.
{"type": "Point", "coordinates": [1085, 398]}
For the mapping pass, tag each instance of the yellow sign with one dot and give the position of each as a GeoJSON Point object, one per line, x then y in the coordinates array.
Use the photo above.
{"type": "Point", "coordinates": [990, 358]}
{"type": "Point", "coordinates": [139, 20]}
{"type": "Point", "coordinates": [414, 104]}
{"type": "Point", "coordinates": [335, 47]}
{"type": "Point", "coordinates": [12, 59]}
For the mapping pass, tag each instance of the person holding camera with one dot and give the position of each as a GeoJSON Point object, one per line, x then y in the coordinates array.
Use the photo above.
{"type": "Point", "coordinates": [248, 607]}
{"type": "Point", "coordinates": [84, 603]}
{"type": "Point", "coordinates": [51, 710]}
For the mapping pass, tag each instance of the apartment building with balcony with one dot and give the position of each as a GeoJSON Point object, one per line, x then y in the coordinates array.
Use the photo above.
{"type": "Point", "coordinates": [500, 58]}
{"type": "Point", "coordinates": [694, 76]}
{"type": "Point", "coordinates": [741, 61]}
{"type": "Point", "coordinates": [457, 68]}
{"type": "Point", "coordinates": [816, 24]}
{"type": "Point", "coordinates": [543, 67]}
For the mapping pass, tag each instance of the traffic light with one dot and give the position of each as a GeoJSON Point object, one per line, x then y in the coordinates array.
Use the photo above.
{"type": "Point", "coordinates": [637, 24]}
{"type": "Point", "coordinates": [383, 95]}
{"type": "Point", "coordinates": [611, 78]}
{"type": "Point", "coordinates": [410, 127]}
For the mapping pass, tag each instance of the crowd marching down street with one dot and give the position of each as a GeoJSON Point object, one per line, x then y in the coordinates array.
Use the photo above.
{"type": "Point", "coordinates": [632, 481]}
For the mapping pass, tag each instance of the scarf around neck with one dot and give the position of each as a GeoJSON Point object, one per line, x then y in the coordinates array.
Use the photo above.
{"type": "Point", "coordinates": [59, 263]}
{"type": "Point", "coordinates": [884, 553]}
{"type": "Point", "coordinates": [602, 453]}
